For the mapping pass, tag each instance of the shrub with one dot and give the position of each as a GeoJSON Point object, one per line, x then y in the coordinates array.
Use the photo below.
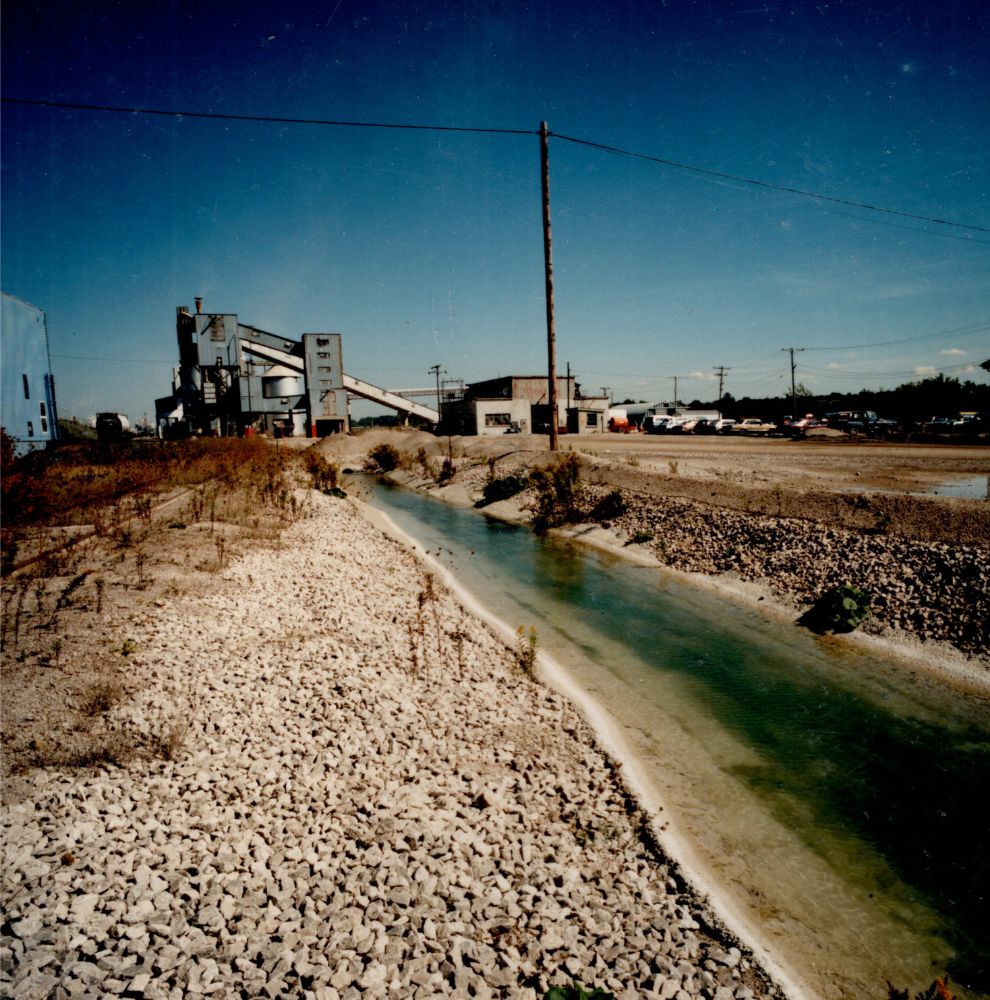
{"type": "Point", "coordinates": [324, 474]}
{"type": "Point", "coordinates": [446, 472]}
{"type": "Point", "coordinates": [576, 992]}
{"type": "Point", "coordinates": [385, 456]}
{"type": "Point", "coordinates": [611, 506]}
{"type": "Point", "coordinates": [640, 537]}
{"type": "Point", "coordinates": [501, 489]}
{"type": "Point", "coordinates": [526, 645]}
{"type": "Point", "coordinates": [558, 493]}
{"type": "Point", "coordinates": [840, 609]}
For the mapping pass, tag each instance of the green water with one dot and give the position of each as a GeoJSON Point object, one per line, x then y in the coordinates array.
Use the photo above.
{"type": "Point", "coordinates": [848, 792]}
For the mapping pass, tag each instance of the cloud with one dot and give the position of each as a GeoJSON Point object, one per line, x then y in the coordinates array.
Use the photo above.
{"type": "Point", "coordinates": [954, 351]}
{"type": "Point", "coordinates": [926, 370]}
{"type": "Point", "coordinates": [835, 366]}
{"type": "Point", "coordinates": [704, 376]}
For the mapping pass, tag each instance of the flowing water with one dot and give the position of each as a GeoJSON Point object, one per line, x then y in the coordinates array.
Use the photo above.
{"type": "Point", "coordinates": [836, 802]}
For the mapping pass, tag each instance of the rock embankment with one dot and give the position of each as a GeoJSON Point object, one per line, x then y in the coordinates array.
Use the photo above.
{"type": "Point", "coordinates": [929, 590]}
{"type": "Point", "coordinates": [371, 799]}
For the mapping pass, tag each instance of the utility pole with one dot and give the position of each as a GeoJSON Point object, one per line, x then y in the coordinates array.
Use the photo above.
{"type": "Point", "coordinates": [675, 378]}
{"type": "Point", "coordinates": [721, 369]}
{"type": "Point", "coordinates": [436, 371]}
{"type": "Point", "coordinates": [548, 273]}
{"type": "Point", "coordinates": [793, 390]}
{"type": "Point", "coordinates": [607, 393]}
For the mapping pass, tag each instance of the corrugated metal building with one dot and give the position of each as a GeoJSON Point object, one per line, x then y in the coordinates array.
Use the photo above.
{"type": "Point", "coordinates": [27, 403]}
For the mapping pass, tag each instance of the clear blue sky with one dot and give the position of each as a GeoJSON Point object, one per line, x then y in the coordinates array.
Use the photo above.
{"type": "Point", "coordinates": [423, 247]}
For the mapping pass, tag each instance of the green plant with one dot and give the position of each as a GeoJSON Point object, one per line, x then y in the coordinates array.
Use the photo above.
{"type": "Point", "coordinates": [65, 598]}
{"type": "Point", "coordinates": [526, 645]}
{"type": "Point", "coordinates": [576, 992]}
{"type": "Point", "coordinates": [557, 493]}
{"type": "Point", "coordinates": [673, 468]}
{"type": "Point", "coordinates": [501, 489]}
{"type": "Point", "coordinates": [385, 456]}
{"type": "Point", "coordinates": [840, 609]}
{"type": "Point", "coordinates": [641, 537]}
{"type": "Point", "coordinates": [101, 696]}
{"type": "Point", "coordinates": [611, 506]}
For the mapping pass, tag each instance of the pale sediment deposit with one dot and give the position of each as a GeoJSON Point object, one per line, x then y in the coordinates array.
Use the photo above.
{"type": "Point", "coordinates": [369, 798]}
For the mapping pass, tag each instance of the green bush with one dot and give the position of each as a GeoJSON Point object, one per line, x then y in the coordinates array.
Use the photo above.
{"type": "Point", "coordinates": [501, 489]}
{"type": "Point", "coordinates": [385, 456]}
{"type": "Point", "coordinates": [558, 493]}
{"type": "Point", "coordinates": [840, 609]}
{"type": "Point", "coordinates": [576, 992]}
{"type": "Point", "coordinates": [609, 507]}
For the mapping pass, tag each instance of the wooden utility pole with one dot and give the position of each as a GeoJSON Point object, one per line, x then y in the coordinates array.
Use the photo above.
{"type": "Point", "coordinates": [548, 272]}
{"type": "Point", "coordinates": [721, 369]}
{"type": "Point", "coordinates": [794, 412]}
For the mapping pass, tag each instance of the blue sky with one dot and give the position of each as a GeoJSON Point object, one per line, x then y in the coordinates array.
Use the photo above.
{"type": "Point", "coordinates": [425, 247]}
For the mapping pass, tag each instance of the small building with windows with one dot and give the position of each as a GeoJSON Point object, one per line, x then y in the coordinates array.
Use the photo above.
{"type": "Point", "coordinates": [27, 400]}
{"type": "Point", "coordinates": [520, 404]}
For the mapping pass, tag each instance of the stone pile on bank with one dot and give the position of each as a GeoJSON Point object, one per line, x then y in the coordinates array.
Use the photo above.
{"type": "Point", "coordinates": [370, 800]}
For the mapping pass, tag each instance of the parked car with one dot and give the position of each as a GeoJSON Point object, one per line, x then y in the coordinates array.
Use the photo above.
{"type": "Point", "coordinates": [754, 425]}
{"type": "Point", "coordinates": [705, 426]}
{"type": "Point", "coordinates": [725, 425]}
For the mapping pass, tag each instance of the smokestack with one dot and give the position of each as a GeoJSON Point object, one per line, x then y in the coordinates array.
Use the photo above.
{"type": "Point", "coordinates": [199, 304]}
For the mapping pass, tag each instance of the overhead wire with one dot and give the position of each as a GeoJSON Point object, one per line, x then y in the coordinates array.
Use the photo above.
{"type": "Point", "coordinates": [408, 126]}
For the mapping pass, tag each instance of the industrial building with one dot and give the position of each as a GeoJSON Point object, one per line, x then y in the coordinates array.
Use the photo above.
{"type": "Point", "coordinates": [28, 412]}
{"type": "Point", "coordinates": [235, 379]}
{"type": "Point", "coordinates": [520, 403]}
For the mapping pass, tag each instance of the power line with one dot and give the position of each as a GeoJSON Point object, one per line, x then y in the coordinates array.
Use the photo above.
{"type": "Point", "coordinates": [218, 116]}
{"type": "Point", "coordinates": [345, 123]}
{"type": "Point", "coordinates": [958, 332]}
{"type": "Point", "coordinates": [766, 184]}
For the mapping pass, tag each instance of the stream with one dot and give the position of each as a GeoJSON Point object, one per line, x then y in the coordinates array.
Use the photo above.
{"type": "Point", "coordinates": [835, 800]}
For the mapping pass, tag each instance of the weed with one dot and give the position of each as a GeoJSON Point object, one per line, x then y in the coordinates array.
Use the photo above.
{"type": "Point", "coordinates": [611, 506]}
{"type": "Point", "coordinates": [641, 537]}
{"type": "Point", "coordinates": [526, 645]}
{"type": "Point", "coordinates": [881, 523]}
{"type": "Point", "coordinates": [324, 474]}
{"type": "Point", "coordinates": [65, 598]}
{"type": "Point", "coordinates": [840, 609]}
{"type": "Point", "coordinates": [672, 466]}
{"type": "Point", "coordinates": [385, 457]}
{"type": "Point", "coordinates": [100, 588]}
{"type": "Point", "coordinates": [100, 696]}
{"type": "Point", "coordinates": [170, 734]}
{"type": "Point", "coordinates": [557, 493]}
{"type": "Point", "coordinates": [447, 470]}
{"type": "Point", "coordinates": [501, 489]}
{"type": "Point", "coordinates": [576, 992]}
{"type": "Point", "coordinates": [127, 647]}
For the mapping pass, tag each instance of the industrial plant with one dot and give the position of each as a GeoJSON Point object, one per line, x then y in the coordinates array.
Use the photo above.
{"type": "Point", "coordinates": [235, 379]}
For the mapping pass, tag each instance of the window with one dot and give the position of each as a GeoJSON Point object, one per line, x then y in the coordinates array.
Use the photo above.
{"type": "Point", "coordinates": [593, 418]}
{"type": "Point", "coordinates": [42, 412]}
{"type": "Point", "coordinates": [27, 389]}
{"type": "Point", "coordinates": [44, 426]}
{"type": "Point", "coordinates": [30, 429]}
{"type": "Point", "coordinates": [498, 419]}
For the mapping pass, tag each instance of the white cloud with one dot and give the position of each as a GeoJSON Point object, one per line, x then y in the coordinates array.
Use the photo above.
{"type": "Point", "coordinates": [954, 351]}
{"type": "Point", "coordinates": [704, 376]}
{"type": "Point", "coordinates": [835, 366]}
{"type": "Point", "coordinates": [926, 370]}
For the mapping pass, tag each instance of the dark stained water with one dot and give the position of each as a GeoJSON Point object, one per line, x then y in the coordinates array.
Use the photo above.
{"type": "Point", "coordinates": [848, 798]}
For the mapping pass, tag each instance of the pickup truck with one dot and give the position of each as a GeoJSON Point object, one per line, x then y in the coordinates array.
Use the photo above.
{"type": "Point", "coordinates": [753, 425]}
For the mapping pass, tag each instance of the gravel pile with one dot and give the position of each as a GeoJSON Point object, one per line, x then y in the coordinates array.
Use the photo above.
{"type": "Point", "coordinates": [368, 798]}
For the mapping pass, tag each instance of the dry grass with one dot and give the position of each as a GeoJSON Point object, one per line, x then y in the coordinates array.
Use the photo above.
{"type": "Point", "coordinates": [162, 519]}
